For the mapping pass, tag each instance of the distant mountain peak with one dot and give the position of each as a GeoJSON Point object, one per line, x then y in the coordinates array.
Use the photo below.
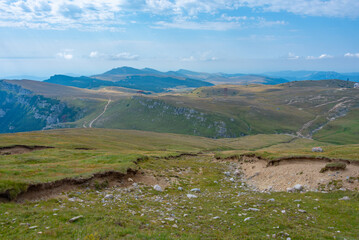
{"type": "Point", "coordinates": [124, 70]}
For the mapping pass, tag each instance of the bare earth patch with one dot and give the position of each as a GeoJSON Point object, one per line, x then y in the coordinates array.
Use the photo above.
{"type": "Point", "coordinates": [20, 149]}
{"type": "Point", "coordinates": [286, 174]}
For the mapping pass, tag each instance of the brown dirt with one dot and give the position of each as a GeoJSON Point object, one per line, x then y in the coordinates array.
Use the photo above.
{"type": "Point", "coordinates": [20, 149]}
{"type": "Point", "coordinates": [286, 173]}
{"type": "Point", "coordinates": [42, 191]}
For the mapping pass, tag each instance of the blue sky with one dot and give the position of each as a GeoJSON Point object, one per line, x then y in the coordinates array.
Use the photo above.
{"type": "Point", "coordinates": [86, 37]}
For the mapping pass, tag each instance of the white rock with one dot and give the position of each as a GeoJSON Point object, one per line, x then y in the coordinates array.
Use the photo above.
{"type": "Point", "coordinates": [231, 179]}
{"type": "Point", "coordinates": [290, 189]}
{"type": "Point", "coordinates": [109, 196]}
{"type": "Point", "coordinates": [344, 198]}
{"type": "Point", "coordinates": [298, 187]}
{"type": "Point", "coordinates": [246, 219]}
{"type": "Point", "coordinates": [170, 219]}
{"type": "Point", "coordinates": [271, 200]}
{"type": "Point", "coordinates": [180, 188]}
{"type": "Point", "coordinates": [253, 209]}
{"type": "Point", "coordinates": [32, 227]}
{"type": "Point", "coordinates": [227, 174]}
{"type": "Point", "coordinates": [216, 217]}
{"type": "Point", "coordinates": [157, 188]}
{"type": "Point", "coordinates": [197, 190]}
{"type": "Point", "coordinates": [72, 199]}
{"type": "Point", "coordinates": [174, 226]}
{"type": "Point", "coordinates": [191, 196]}
{"type": "Point", "coordinates": [317, 149]}
{"type": "Point", "coordinates": [74, 219]}
{"type": "Point", "coordinates": [283, 211]}
{"type": "Point", "coordinates": [302, 211]}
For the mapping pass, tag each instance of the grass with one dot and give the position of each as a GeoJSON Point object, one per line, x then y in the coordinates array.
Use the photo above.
{"type": "Point", "coordinates": [344, 130]}
{"type": "Point", "coordinates": [299, 147]}
{"type": "Point", "coordinates": [119, 149]}
{"type": "Point", "coordinates": [334, 167]}
{"type": "Point", "coordinates": [219, 212]}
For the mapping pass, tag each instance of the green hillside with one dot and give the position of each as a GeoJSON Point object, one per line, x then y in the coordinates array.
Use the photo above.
{"type": "Point", "coordinates": [20, 110]}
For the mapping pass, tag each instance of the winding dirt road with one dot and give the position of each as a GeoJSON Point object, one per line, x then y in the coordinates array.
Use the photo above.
{"type": "Point", "coordinates": [104, 110]}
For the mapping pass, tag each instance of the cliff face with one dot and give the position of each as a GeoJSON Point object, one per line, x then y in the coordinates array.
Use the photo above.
{"type": "Point", "coordinates": [21, 110]}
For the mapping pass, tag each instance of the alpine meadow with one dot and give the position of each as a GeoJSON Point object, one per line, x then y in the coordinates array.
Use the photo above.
{"type": "Point", "coordinates": [177, 119]}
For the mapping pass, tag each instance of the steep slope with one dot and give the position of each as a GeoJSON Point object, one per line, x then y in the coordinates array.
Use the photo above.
{"type": "Point", "coordinates": [21, 110]}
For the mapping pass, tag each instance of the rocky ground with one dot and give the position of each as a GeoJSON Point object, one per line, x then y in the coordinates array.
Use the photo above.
{"type": "Point", "coordinates": [192, 197]}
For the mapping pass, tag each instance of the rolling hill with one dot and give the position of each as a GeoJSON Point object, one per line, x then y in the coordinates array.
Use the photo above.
{"type": "Point", "coordinates": [303, 108]}
{"type": "Point", "coordinates": [145, 80]}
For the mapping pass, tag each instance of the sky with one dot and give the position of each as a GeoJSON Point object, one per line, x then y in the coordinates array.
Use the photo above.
{"type": "Point", "coordinates": [85, 37]}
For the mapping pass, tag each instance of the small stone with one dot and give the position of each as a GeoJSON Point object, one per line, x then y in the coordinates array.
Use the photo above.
{"type": "Point", "coordinates": [231, 179]}
{"type": "Point", "coordinates": [290, 189]}
{"type": "Point", "coordinates": [271, 200]}
{"type": "Point", "coordinates": [246, 219]}
{"type": "Point", "coordinates": [253, 209]}
{"type": "Point", "coordinates": [227, 174]}
{"type": "Point", "coordinates": [130, 179]}
{"type": "Point", "coordinates": [32, 227]}
{"type": "Point", "coordinates": [191, 196]}
{"type": "Point", "coordinates": [302, 211]}
{"type": "Point", "coordinates": [283, 211]}
{"type": "Point", "coordinates": [109, 196]}
{"type": "Point", "coordinates": [74, 219]}
{"type": "Point", "coordinates": [197, 190]}
{"type": "Point", "coordinates": [157, 188]}
{"type": "Point", "coordinates": [174, 226]}
{"type": "Point", "coordinates": [344, 198]}
{"type": "Point", "coordinates": [216, 217]}
{"type": "Point", "coordinates": [170, 219]}
{"type": "Point", "coordinates": [180, 188]}
{"type": "Point", "coordinates": [72, 199]}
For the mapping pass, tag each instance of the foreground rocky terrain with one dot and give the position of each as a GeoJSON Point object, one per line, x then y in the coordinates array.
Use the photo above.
{"type": "Point", "coordinates": [189, 197]}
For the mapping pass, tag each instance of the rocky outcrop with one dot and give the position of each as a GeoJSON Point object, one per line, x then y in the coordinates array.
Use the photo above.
{"type": "Point", "coordinates": [21, 110]}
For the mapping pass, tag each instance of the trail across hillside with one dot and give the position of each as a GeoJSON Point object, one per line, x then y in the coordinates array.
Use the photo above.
{"type": "Point", "coordinates": [104, 110]}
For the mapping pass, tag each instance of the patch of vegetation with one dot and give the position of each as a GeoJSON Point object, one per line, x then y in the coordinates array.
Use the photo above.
{"type": "Point", "coordinates": [335, 166]}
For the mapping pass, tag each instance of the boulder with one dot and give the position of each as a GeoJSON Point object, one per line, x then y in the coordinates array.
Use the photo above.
{"type": "Point", "coordinates": [298, 187]}
{"type": "Point", "coordinates": [317, 149]}
{"type": "Point", "coordinates": [157, 188]}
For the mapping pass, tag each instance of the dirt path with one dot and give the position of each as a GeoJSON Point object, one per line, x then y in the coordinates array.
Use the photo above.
{"type": "Point", "coordinates": [104, 110]}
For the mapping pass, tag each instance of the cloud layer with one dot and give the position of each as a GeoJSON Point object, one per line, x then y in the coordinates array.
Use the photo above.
{"type": "Point", "coordinates": [112, 14]}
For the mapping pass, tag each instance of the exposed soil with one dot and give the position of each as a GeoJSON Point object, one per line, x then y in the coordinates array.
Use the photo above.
{"type": "Point", "coordinates": [50, 190]}
{"type": "Point", "coordinates": [287, 173]}
{"type": "Point", "coordinates": [20, 149]}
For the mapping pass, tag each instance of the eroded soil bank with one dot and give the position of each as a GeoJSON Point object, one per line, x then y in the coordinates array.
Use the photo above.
{"type": "Point", "coordinates": [285, 174]}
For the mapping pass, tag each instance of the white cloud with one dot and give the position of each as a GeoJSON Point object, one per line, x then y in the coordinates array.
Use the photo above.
{"type": "Point", "coordinates": [203, 57]}
{"type": "Point", "coordinates": [66, 54]}
{"type": "Point", "coordinates": [111, 14]}
{"type": "Point", "coordinates": [114, 57]}
{"type": "Point", "coordinates": [292, 56]}
{"type": "Point", "coordinates": [189, 59]}
{"type": "Point", "coordinates": [93, 54]}
{"type": "Point", "coordinates": [123, 56]}
{"type": "Point", "coordinates": [323, 56]}
{"type": "Point", "coordinates": [352, 55]}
